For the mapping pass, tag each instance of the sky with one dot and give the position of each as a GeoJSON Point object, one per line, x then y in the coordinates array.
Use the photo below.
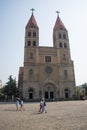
{"type": "Point", "coordinates": [14, 15]}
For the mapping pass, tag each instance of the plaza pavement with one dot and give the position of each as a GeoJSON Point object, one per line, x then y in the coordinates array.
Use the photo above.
{"type": "Point", "coordinates": [64, 115]}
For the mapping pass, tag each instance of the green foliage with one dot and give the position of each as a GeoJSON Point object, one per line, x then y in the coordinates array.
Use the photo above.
{"type": "Point", "coordinates": [10, 89]}
{"type": "Point", "coordinates": [81, 91]}
{"type": "Point", "coordinates": [1, 94]}
{"type": "Point", "coordinates": [85, 87]}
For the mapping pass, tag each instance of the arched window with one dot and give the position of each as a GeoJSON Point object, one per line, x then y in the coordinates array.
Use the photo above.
{"type": "Point", "coordinates": [65, 74]}
{"type": "Point", "coordinates": [31, 55]}
{"type": "Point", "coordinates": [34, 43]}
{"type": "Point", "coordinates": [29, 34]}
{"type": "Point", "coordinates": [59, 35]}
{"type": "Point", "coordinates": [34, 34]}
{"type": "Point", "coordinates": [29, 43]}
{"type": "Point", "coordinates": [60, 44]}
{"type": "Point", "coordinates": [64, 57]}
{"type": "Point", "coordinates": [65, 45]}
{"type": "Point", "coordinates": [30, 72]}
{"type": "Point", "coordinates": [64, 36]}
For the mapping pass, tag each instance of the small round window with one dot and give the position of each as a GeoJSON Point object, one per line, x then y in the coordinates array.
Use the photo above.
{"type": "Point", "coordinates": [48, 69]}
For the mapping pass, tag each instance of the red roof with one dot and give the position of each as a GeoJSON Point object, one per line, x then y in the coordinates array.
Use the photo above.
{"type": "Point", "coordinates": [32, 21]}
{"type": "Point", "coordinates": [59, 24]}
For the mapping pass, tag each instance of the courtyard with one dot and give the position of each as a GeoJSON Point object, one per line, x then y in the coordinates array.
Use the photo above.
{"type": "Point", "coordinates": [65, 115]}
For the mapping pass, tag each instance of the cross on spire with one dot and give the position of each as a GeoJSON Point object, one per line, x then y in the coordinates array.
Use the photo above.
{"type": "Point", "coordinates": [57, 13]}
{"type": "Point", "coordinates": [32, 10]}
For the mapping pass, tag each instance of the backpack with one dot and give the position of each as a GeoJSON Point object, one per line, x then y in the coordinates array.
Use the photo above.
{"type": "Point", "coordinates": [44, 103]}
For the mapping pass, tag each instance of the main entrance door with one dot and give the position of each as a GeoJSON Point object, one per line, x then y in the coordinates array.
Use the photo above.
{"type": "Point", "coordinates": [49, 91]}
{"type": "Point", "coordinates": [46, 95]}
{"type": "Point", "coordinates": [49, 95]}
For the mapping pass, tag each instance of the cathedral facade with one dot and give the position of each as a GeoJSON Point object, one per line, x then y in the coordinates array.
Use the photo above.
{"type": "Point", "coordinates": [48, 71]}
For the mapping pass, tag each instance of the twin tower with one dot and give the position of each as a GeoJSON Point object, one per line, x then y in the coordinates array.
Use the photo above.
{"type": "Point", "coordinates": [48, 71]}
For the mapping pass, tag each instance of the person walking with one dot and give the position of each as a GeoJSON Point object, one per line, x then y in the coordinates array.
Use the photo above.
{"type": "Point", "coordinates": [41, 105]}
{"type": "Point", "coordinates": [17, 104]}
{"type": "Point", "coordinates": [21, 105]}
{"type": "Point", "coordinates": [44, 102]}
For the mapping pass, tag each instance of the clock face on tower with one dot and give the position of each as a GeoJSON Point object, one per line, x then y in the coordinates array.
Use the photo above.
{"type": "Point", "coordinates": [48, 69]}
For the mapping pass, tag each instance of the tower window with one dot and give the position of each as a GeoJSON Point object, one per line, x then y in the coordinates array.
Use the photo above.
{"type": "Point", "coordinates": [64, 57]}
{"type": "Point", "coordinates": [60, 44]}
{"type": "Point", "coordinates": [32, 26]}
{"type": "Point", "coordinates": [65, 74]}
{"type": "Point", "coordinates": [31, 55]}
{"type": "Point", "coordinates": [34, 43]}
{"type": "Point", "coordinates": [60, 35]}
{"type": "Point", "coordinates": [34, 34]}
{"type": "Point", "coordinates": [29, 43]}
{"type": "Point", "coordinates": [65, 45]}
{"type": "Point", "coordinates": [29, 34]}
{"type": "Point", "coordinates": [64, 36]}
{"type": "Point", "coordinates": [30, 72]}
{"type": "Point", "coordinates": [47, 59]}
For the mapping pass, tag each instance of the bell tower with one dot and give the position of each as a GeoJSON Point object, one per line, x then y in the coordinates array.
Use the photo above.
{"type": "Point", "coordinates": [32, 32]}
{"type": "Point", "coordinates": [61, 41]}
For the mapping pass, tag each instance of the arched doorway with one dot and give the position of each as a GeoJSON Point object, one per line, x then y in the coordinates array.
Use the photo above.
{"type": "Point", "coordinates": [66, 91]}
{"type": "Point", "coordinates": [49, 91]}
{"type": "Point", "coordinates": [30, 93]}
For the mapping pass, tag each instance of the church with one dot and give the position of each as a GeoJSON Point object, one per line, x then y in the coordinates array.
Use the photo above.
{"type": "Point", "coordinates": [47, 71]}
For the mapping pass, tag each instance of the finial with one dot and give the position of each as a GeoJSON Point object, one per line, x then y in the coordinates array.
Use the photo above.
{"type": "Point", "coordinates": [32, 10]}
{"type": "Point", "coordinates": [57, 13]}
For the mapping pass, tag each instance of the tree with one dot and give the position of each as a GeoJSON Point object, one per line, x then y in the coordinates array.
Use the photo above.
{"type": "Point", "coordinates": [1, 94]}
{"type": "Point", "coordinates": [77, 92]}
{"type": "Point", "coordinates": [80, 92]}
{"type": "Point", "coordinates": [10, 89]}
{"type": "Point", "coordinates": [85, 87]}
